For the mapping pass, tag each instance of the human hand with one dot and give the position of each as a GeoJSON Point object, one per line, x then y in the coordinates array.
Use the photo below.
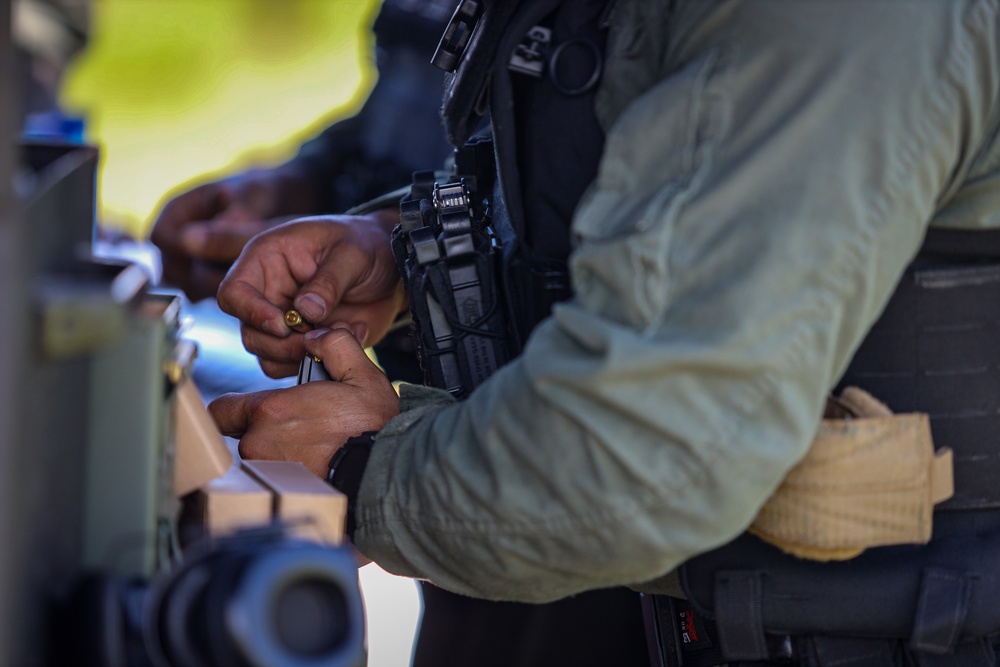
{"type": "Point", "coordinates": [201, 232]}
{"type": "Point", "coordinates": [309, 422]}
{"type": "Point", "coordinates": [329, 268]}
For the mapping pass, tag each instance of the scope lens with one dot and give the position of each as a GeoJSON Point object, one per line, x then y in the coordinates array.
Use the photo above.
{"type": "Point", "coordinates": [311, 617]}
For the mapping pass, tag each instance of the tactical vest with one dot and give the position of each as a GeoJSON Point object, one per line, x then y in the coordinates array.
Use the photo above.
{"type": "Point", "coordinates": [933, 350]}
{"type": "Point", "coordinates": [483, 252]}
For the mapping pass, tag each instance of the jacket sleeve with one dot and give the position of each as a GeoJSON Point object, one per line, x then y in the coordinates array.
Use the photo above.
{"type": "Point", "coordinates": [769, 171]}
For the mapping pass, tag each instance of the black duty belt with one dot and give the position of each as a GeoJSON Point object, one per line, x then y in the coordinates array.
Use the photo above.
{"type": "Point", "coordinates": [684, 639]}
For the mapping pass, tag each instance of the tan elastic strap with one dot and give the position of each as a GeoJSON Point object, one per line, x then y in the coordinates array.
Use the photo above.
{"type": "Point", "coordinates": [942, 476]}
{"type": "Point", "coordinates": [866, 481]}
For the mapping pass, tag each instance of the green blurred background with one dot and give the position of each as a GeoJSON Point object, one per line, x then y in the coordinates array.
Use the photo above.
{"type": "Point", "coordinates": [177, 91]}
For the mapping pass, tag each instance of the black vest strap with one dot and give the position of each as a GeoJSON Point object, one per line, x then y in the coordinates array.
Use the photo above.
{"type": "Point", "coordinates": [934, 350]}
{"type": "Point", "coordinates": [961, 243]}
{"type": "Point", "coordinates": [538, 191]}
{"type": "Point", "coordinates": [739, 615]}
{"type": "Point", "coordinates": [941, 610]}
{"type": "Point", "coordinates": [979, 653]}
{"type": "Point", "coordinates": [848, 652]}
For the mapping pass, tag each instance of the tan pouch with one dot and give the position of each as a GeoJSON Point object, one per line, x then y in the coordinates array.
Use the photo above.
{"type": "Point", "coordinates": [871, 478]}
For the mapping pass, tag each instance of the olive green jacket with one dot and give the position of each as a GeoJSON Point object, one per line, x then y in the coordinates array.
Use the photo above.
{"type": "Point", "coordinates": [770, 169]}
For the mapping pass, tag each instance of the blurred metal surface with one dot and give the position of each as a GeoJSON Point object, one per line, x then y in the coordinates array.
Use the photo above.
{"type": "Point", "coordinates": [90, 357]}
{"type": "Point", "coordinates": [13, 345]}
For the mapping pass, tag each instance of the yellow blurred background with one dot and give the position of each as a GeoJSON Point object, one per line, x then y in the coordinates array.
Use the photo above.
{"type": "Point", "coordinates": [178, 91]}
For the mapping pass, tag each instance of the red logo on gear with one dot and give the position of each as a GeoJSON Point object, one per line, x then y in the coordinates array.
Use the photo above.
{"type": "Point", "coordinates": [689, 633]}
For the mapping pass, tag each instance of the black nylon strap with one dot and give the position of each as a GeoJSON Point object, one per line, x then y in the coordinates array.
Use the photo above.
{"type": "Point", "coordinates": [961, 243]}
{"type": "Point", "coordinates": [738, 613]}
{"type": "Point", "coordinates": [979, 653]}
{"type": "Point", "coordinates": [460, 107]}
{"type": "Point", "coordinates": [845, 652]}
{"type": "Point", "coordinates": [346, 470]}
{"type": "Point", "coordinates": [941, 610]}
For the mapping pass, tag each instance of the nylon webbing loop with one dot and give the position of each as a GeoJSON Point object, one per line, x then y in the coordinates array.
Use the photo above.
{"type": "Point", "coordinates": [933, 350]}
{"type": "Point", "coordinates": [844, 652]}
{"type": "Point", "coordinates": [979, 653]}
{"type": "Point", "coordinates": [961, 243]}
{"type": "Point", "coordinates": [941, 610]}
{"type": "Point", "coordinates": [738, 613]}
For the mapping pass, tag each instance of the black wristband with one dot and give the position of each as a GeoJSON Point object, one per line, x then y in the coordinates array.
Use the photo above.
{"type": "Point", "coordinates": [346, 469]}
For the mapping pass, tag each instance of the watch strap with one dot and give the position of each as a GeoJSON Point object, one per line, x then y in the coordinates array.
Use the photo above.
{"type": "Point", "coordinates": [347, 466]}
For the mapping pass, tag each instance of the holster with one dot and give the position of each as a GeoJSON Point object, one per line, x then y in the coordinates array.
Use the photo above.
{"type": "Point", "coordinates": [450, 261]}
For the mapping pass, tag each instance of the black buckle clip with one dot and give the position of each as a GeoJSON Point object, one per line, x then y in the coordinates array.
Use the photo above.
{"type": "Point", "coordinates": [457, 35]}
{"type": "Point", "coordinates": [529, 56]}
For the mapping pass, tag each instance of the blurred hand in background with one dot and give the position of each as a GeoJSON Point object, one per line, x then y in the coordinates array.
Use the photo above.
{"type": "Point", "coordinates": [202, 231]}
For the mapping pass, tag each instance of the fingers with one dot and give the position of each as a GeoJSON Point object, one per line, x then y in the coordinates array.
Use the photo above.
{"type": "Point", "coordinates": [278, 357]}
{"type": "Point", "coordinates": [258, 291]}
{"type": "Point", "coordinates": [277, 425]}
{"type": "Point", "coordinates": [213, 222]}
{"type": "Point", "coordinates": [325, 288]}
{"type": "Point", "coordinates": [343, 356]}
{"type": "Point", "coordinates": [328, 269]}
{"type": "Point", "coordinates": [182, 268]}
{"type": "Point", "coordinates": [269, 273]}
{"type": "Point", "coordinates": [367, 400]}
{"type": "Point", "coordinates": [233, 412]}
{"type": "Point", "coordinates": [308, 422]}
{"type": "Point", "coordinates": [201, 203]}
{"type": "Point", "coordinates": [356, 266]}
{"type": "Point", "coordinates": [305, 423]}
{"type": "Point", "coordinates": [243, 300]}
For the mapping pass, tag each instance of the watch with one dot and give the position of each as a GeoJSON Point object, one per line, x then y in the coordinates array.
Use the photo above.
{"type": "Point", "coordinates": [346, 469]}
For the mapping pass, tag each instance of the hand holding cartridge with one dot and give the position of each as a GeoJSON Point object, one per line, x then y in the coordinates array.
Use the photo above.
{"type": "Point", "coordinates": [329, 269]}
{"type": "Point", "coordinates": [309, 422]}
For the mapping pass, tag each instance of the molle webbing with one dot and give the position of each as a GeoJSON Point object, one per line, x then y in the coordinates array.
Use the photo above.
{"type": "Point", "coordinates": [936, 349]}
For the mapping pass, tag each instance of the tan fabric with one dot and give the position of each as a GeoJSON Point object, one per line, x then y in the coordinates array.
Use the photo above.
{"type": "Point", "coordinates": [871, 478]}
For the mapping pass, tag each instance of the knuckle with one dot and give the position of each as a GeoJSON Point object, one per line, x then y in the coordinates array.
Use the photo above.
{"type": "Point", "coordinates": [271, 407]}
{"type": "Point", "coordinates": [337, 338]}
{"type": "Point", "coordinates": [257, 241]}
{"type": "Point", "coordinates": [325, 284]}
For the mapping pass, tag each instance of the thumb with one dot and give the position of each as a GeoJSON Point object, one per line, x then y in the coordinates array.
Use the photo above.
{"type": "Point", "coordinates": [343, 356]}
{"type": "Point", "coordinates": [343, 266]}
{"type": "Point", "coordinates": [321, 294]}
